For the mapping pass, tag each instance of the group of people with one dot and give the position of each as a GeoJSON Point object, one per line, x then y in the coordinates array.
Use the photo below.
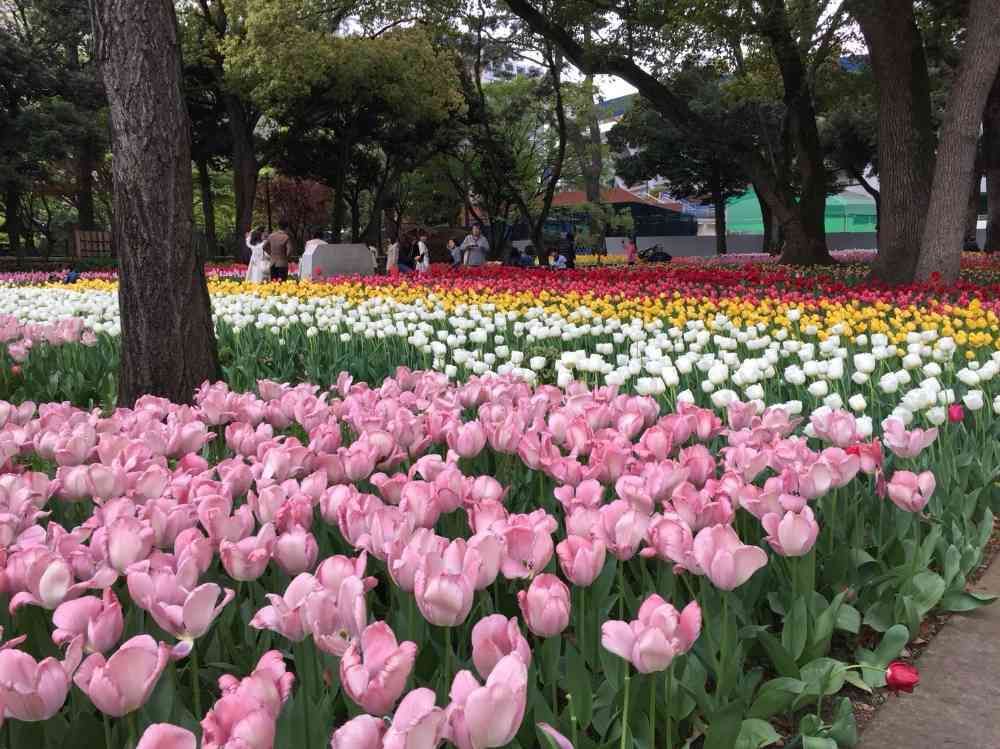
{"type": "Point", "coordinates": [269, 254]}
{"type": "Point", "coordinates": [410, 252]}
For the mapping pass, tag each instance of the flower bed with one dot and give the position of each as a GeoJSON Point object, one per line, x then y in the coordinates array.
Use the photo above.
{"type": "Point", "coordinates": [658, 506]}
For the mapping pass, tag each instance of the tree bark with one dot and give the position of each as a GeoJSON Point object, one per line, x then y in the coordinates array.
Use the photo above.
{"type": "Point", "coordinates": [970, 240]}
{"type": "Point", "coordinates": [719, 201]}
{"type": "Point", "coordinates": [207, 202]}
{"type": "Point", "coordinates": [245, 166]}
{"type": "Point", "coordinates": [86, 162]}
{"type": "Point", "coordinates": [12, 224]}
{"type": "Point", "coordinates": [168, 345]}
{"type": "Point", "coordinates": [941, 248]}
{"type": "Point", "coordinates": [768, 243]}
{"type": "Point", "coordinates": [905, 132]}
{"type": "Point", "coordinates": [991, 159]}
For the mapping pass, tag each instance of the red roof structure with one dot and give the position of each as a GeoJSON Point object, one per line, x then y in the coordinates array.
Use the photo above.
{"type": "Point", "coordinates": [615, 196]}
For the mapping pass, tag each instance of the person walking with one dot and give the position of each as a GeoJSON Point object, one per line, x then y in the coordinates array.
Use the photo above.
{"type": "Point", "coordinates": [279, 249]}
{"type": "Point", "coordinates": [476, 247]}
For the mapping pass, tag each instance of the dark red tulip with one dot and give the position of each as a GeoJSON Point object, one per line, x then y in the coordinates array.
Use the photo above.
{"type": "Point", "coordinates": [901, 677]}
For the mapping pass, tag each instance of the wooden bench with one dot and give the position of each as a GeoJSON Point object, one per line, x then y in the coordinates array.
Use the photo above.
{"type": "Point", "coordinates": [90, 244]}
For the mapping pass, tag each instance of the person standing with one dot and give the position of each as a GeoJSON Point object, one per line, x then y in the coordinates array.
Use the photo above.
{"type": "Point", "coordinates": [279, 249]}
{"type": "Point", "coordinates": [456, 253]}
{"type": "Point", "coordinates": [570, 250]}
{"type": "Point", "coordinates": [423, 254]}
{"type": "Point", "coordinates": [406, 252]}
{"type": "Point", "coordinates": [476, 247]}
{"type": "Point", "coordinates": [257, 270]}
{"type": "Point", "coordinates": [392, 258]}
{"type": "Point", "coordinates": [631, 251]}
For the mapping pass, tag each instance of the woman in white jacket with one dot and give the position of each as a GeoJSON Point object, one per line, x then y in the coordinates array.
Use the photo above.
{"type": "Point", "coordinates": [259, 269]}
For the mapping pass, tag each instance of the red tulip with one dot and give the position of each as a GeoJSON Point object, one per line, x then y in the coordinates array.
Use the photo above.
{"type": "Point", "coordinates": [901, 677]}
{"type": "Point", "coordinates": [956, 413]}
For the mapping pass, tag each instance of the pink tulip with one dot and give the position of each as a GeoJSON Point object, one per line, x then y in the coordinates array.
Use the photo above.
{"type": "Point", "coordinates": [581, 559]}
{"type": "Point", "coordinates": [791, 535]}
{"type": "Point", "coordinates": [545, 606]}
{"type": "Point", "coordinates": [903, 443]}
{"type": "Point", "coordinates": [468, 439]}
{"type": "Point", "coordinates": [844, 466]}
{"type": "Point", "coordinates": [488, 715]}
{"type": "Point", "coordinates": [416, 724]}
{"type": "Point", "coordinates": [128, 541]}
{"type": "Point", "coordinates": [296, 551]}
{"type": "Point", "coordinates": [445, 584]}
{"type": "Point", "coordinates": [167, 736]}
{"type": "Point", "coordinates": [528, 544]}
{"type": "Point", "coordinates": [910, 491]}
{"type": "Point", "coordinates": [297, 510]}
{"type": "Point", "coordinates": [588, 493]}
{"type": "Point", "coordinates": [495, 637]}
{"type": "Point", "coordinates": [186, 614]}
{"type": "Point", "coordinates": [336, 617]}
{"type": "Point", "coordinates": [418, 499]}
{"type": "Point", "coordinates": [236, 723]}
{"type": "Point", "coordinates": [651, 642]}
{"type": "Point", "coordinates": [94, 480]}
{"type": "Point", "coordinates": [699, 463]}
{"type": "Point", "coordinates": [269, 686]}
{"type": "Point", "coordinates": [870, 455]}
{"type": "Point", "coordinates": [285, 614]}
{"type": "Point", "coordinates": [98, 620]}
{"type": "Point", "coordinates": [123, 682]}
{"type": "Point", "coordinates": [622, 528]}
{"type": "Point", "coordinates": [374, 671]}
{"type": "Point", "coordinates": [33, 691]}
{"type": "Point", "coordinates": [246, 560]}
{"type": "Point", "coordinates": [838, 428]}
{"type": "Point", "coordinates": [701, 508]}
{"type": "Point", "coordinates": [726, 561]}
{"type": "Point", "coordinates": [406, 556]}
{"type": "Point", "coordinates": [490, 548]}
{"type": "Point", "coordinates": [560, 741]}
{"type": "Point", "coordinates": [363, 732]}
{"type": "Point", "coordinates": [332, 571]}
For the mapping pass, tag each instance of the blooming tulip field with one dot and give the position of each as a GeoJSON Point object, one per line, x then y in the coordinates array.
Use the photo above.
{"type": "Point", "coordinates": [701, 505]}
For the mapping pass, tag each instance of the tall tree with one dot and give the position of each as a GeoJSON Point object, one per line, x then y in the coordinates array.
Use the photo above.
{"type": "Point", "coordinates": [944, 225]}
{"type": "Point", "coordinates": [168, 339]}
{"type": "Point", "coordinates": [798, 41]}
{"type": "Point", "coordinates": [991, 164]}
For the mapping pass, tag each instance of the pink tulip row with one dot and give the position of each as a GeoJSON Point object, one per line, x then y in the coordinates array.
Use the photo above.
{"type": "Point", "coordinates": [20, 338]}
{"type": "Point", "coordinates": [628, 481]}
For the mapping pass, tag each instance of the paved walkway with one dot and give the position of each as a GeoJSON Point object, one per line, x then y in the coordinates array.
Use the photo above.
{"type": "Point", "coordinates": [957, 705]}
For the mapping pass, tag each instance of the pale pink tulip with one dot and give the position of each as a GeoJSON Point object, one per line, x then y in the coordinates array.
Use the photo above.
{"type": "Point", "coordinates": [416, 724]}
{"type": "Point", "coordinates": [545, 606]}
{"type": "Point", "coordinates": [237, 723]}
{"type": "Point", "coordinates": [656, 637]}
{"type": "Point", "coordinates": [726, 561]}
{"type": "Point", "coordinates": [32, 691]}
{"type": "Point", "coordinates": [269, 686]}
{"type": "Point", "coordinates": [363, 732]}
{"type": "Point", "coordinates": [336, 617]}
{"type": "Point", "coordinates": [418, 499]}
{"type": "Point", "coordinates": [903, 443]}
{"type": "Point", "coordinates": [98, 620]}
{"type": "Point", "coordinates": [490, 715]}
{"type": "Point", "coordinates": [406, 556]}
{"type": "Point", "coordinates": [910, 491]}
{"type": "Point", "coordinates": [581, 559]}
{"type": "Point", "coordinates": [494, 637]}
{"type": "Point", "coordinates": [296, 551]}
{"type": "Point", "coordinates": [622, 528]}
{"type": "Point", "coordinates": [246, 560]}
{"type": "Point", "coordinates": [123, 682]}
{"type": "Point", "coordinates": [836, 427]}
{"type": "Point", "coordinates": [445, 584]}
{"type": "Point", "coordinates": [560, 741]}
{"type": "Point", "coordinates": [793, 534]}
{"type": "Point", "coordinates": [167, 736]}
{"type": "Point", "coordinates": [374, 670]}
{"type": "Point", "coordinates": [528, 545]}
{"type": "Point", "coordinates": [701, 508]}
{"type": "Point", "coordinates": [285, 614]}
{"type": "Point", "coordinates": [468, 439]}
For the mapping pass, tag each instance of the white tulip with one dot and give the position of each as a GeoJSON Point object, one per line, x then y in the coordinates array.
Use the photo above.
{"type": "Point", "coordinates": [936, 415]}
{"type": "Point", "coordinates": [819, 389]}
{"type": "Point", "coordinates": [857, 403]}
{"type": "Point", "coordinates": [973, 400]}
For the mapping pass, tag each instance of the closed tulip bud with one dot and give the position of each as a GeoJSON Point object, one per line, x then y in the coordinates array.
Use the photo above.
{"type": "Point", "coordinates": [296, 551]}
{"type": "Point", "coordinates": [363, 732]}
{"type": "Point", "coordinates": [901, 677]}
{"type": "Point", "coordinates": [167, 736]}
{"type": "Point", "coordinates": [545, 606]}
{"type": "Point", "coordinates": [494, 637]}
{"type": "Point", "coordinates": [581, 559]}
{"type": "Point", "coordinates": [246, 560]}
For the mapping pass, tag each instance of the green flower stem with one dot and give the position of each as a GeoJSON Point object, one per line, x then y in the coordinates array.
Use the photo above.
{"type": "Point", "coordinates": [652, 709]}
{"type": "Point", "coordinates": [108, 744]}
{"type": "Point", "coordinates": [625, 714]}
{"type": "Point", "coordinates": [669, 695]}
{"type": "Point", "coordinates": [195, 686]}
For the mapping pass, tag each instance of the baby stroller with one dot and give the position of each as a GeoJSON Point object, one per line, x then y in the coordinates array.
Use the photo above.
{"type": "Point", "coordinates": [655, 254]}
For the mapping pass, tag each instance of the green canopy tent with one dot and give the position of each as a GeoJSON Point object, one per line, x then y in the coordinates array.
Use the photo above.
{"type": "Point", "coordinates": [847, 212]}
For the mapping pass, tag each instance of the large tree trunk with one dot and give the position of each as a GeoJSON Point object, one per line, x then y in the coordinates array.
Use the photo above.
{"type": "Point", "coordinates": [991, 163]}
{"type": "Point", "coordinates": [12, 223]}
{"type": "Point", "coordinates": [245, 166]}
{"type": "Point", "coordinates": [941, 248]}
{"type": "Point", "coordinates": [168, 343]}
{"type": "Point", "coordinates": [905, 132]}
{"type": "Point", "coordinates": [768, 242]}
{"type": "Point", "coordinates": [207, 202]}
{"type": "Point", "coordinates": [86, 163]}
{"type": "Point", "coordinates": [970, 240]}
{"type": "Point", "coordinates": [719, 201]}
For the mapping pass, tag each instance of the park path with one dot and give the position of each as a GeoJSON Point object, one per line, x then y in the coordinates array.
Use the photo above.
{"type": "Point", "coordinates": [957, 705]}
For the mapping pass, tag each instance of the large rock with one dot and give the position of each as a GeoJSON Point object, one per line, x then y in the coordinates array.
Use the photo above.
{"type": "Point", "coordinates": [321, 260]}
